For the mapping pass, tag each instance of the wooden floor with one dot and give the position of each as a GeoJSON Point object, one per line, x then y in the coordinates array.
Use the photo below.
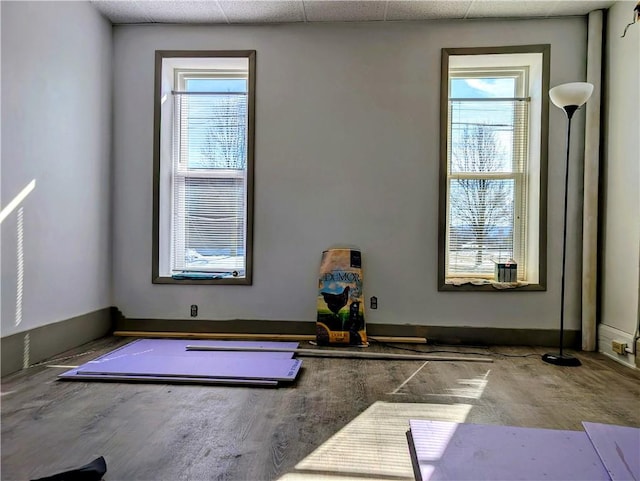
{"type": "Point", "coordinates": [343, 419]}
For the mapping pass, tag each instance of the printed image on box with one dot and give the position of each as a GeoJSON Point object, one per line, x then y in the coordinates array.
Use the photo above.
{"type": "Point", "coordinates": [340, 299]}
{"type": "Point", "coordinates": [507, 271]}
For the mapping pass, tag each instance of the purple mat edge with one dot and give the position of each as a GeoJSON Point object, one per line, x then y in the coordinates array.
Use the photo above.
{"type": "Point", "coordinates": [73, 375]}
{"type": "Point", "coordinates": [292, 365]}
{"type": "Point", "coordinates": [615, 463]}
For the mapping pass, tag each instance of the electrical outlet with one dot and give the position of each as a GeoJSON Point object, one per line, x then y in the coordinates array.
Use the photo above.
{"type": "Point", "coordinates": [619, 347]}
{"type": "Point", "coordinates": [194, 310]}
{"type": "Point", "coordinates": [374, 302]}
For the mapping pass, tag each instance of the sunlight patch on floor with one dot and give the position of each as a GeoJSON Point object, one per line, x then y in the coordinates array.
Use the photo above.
{"type": "Point", "coordinates": [469, 388]}
{"type": "Point", "coordinates": [311, 476]}
{"type": "Point", "coordinates": [374, 445]}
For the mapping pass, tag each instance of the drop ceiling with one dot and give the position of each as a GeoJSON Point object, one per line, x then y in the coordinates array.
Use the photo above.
{"type": "Point", "coordinates": [303, 11]}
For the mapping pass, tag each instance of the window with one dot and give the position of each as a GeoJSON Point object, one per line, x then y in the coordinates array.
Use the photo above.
{"type": "Point", "coordinates": [493, 165]}
{"type": "Point", "coordinates": [203, 164]}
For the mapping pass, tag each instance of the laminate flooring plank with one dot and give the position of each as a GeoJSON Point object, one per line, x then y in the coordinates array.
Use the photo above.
{"type": "Point", "coordinates": [299, 423]}
{"type": "Point", "coordinates": [175, 432]}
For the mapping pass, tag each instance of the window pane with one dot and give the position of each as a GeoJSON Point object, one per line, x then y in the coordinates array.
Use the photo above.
{"type": "Point", "coordinates": [488, 87]}
{"type": "Point", "coordinates": [213, 131]}
{"type": "Point", "coordinates": [216, 85]}
{"type": "Point", "coordinates": [214, 224]}
{"type": "Point", "coordinates": [487, 136]}
{"type": "Point", "coordinates": [480, 225]}
{"type": "Point", "coordinates": [480, 148]}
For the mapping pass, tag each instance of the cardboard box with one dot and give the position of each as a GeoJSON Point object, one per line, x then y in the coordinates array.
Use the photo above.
{"type": "Point", "coordinates": [506, 272]}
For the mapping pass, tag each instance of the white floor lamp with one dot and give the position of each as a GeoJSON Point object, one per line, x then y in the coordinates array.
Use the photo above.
{"type": "Point", "coordinates": [569, 97]}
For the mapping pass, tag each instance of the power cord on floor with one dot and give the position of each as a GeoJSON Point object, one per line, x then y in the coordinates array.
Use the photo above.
{"type": "Point", "coordinates": [448, 351]}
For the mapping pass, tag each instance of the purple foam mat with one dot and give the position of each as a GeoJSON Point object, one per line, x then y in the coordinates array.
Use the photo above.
{"type": "Point", "coordinates": [167, 359]}
{"type": "Point", "coordinates": [73, 375]}
{"type": "Point", "coordinates": [618, 448]}
{"type": "Point", "coordinates": [452, 451]}
{"type": "Point", "coordinates": [182, 366]}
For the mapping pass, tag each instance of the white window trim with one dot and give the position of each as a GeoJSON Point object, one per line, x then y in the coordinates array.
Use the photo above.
{"type": "Point", "coordinates": [182, 172]}
{"type": "Point", "coordinates": [520, 229]}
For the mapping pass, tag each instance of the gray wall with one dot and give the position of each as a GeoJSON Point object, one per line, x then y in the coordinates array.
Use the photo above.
{"type": "Point", "coordinates": [346, 153]}
{"type": "Point", "coordinates": [621, 233]}
{"type": "Point", "coordinates": [56, 129]}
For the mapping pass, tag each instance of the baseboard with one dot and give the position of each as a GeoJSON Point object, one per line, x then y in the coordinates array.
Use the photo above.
{"type": "Point", "coordinates": [486, 336]}
{"type": "Point", "coordinates": [607, 334]}
{"type": "Point", "coordinates": [235, 326]}
{"type": "Point", "coordinates": [433, 334]}
{"type": "Point", "coordinates": [29, 347]}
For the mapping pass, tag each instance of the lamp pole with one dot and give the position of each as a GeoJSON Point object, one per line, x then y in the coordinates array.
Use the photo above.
{"type": "Point", "coordinates": [569, 97]}
{"type": "Point", "coordinates": [569, 110]}
{"type": "Point", "coordinates": [560, 358]}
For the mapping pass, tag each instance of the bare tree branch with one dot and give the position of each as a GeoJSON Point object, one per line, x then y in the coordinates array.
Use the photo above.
{"type": "Point", "coordinates": [480, 204]}
{"type": "Point", "coordinates": [225, 145]}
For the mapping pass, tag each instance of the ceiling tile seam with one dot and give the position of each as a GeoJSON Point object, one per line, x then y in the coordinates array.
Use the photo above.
{"type": "Point", "coordinates": [386, 9]}
{"type": "Point", "coordinates": [304, 12]}
{"type": "Point", "coordinates": [468, 9]}
{"type": "Point", "coordinates": [224, 14]}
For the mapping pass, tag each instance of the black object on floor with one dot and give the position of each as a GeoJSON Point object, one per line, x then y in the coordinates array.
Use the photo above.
{"type": "Point", "coordinates": [89, 472]}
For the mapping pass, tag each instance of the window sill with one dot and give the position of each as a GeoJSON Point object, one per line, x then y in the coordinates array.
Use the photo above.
{"type": "Point", "coordinates": [246, 281]}
{"type": "Point", "coordinates": [475, 284]}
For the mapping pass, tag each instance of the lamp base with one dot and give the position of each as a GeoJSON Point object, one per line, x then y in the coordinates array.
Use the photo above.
{"type": "Point", "coordinates": [560, 360]}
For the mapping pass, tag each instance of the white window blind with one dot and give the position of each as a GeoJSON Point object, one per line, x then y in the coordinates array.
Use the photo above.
{"type": "Point", "coordinates": [486, 185]}
{"type": "Point", "coordinates": [209, 183]}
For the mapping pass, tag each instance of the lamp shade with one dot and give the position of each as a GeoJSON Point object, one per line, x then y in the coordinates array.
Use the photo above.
{"type": "Point", "coordinates": [573, 93]}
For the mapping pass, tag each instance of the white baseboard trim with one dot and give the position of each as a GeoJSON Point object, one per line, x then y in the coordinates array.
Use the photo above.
{"type": "Point", "coordinates": [607, 334]}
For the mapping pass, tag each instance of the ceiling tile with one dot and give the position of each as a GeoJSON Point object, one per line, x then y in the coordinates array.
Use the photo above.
{"type": "Point", "coordinates": [509, 8]}
{"type": "Point", "coordinates": [286, 11]}
{"type": "Point", "coordinates": [578, 7]}
{"type": "Point", "coordinates": [121, 12]}
{"type": "Point", "coordinates": [344, 10]}
{"type": "Point", "coordinates": [249, 11]}
{"type": "Point", "coordinates": [426, 10]}
{"type": "Point", "coordinates": [183, 11]}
